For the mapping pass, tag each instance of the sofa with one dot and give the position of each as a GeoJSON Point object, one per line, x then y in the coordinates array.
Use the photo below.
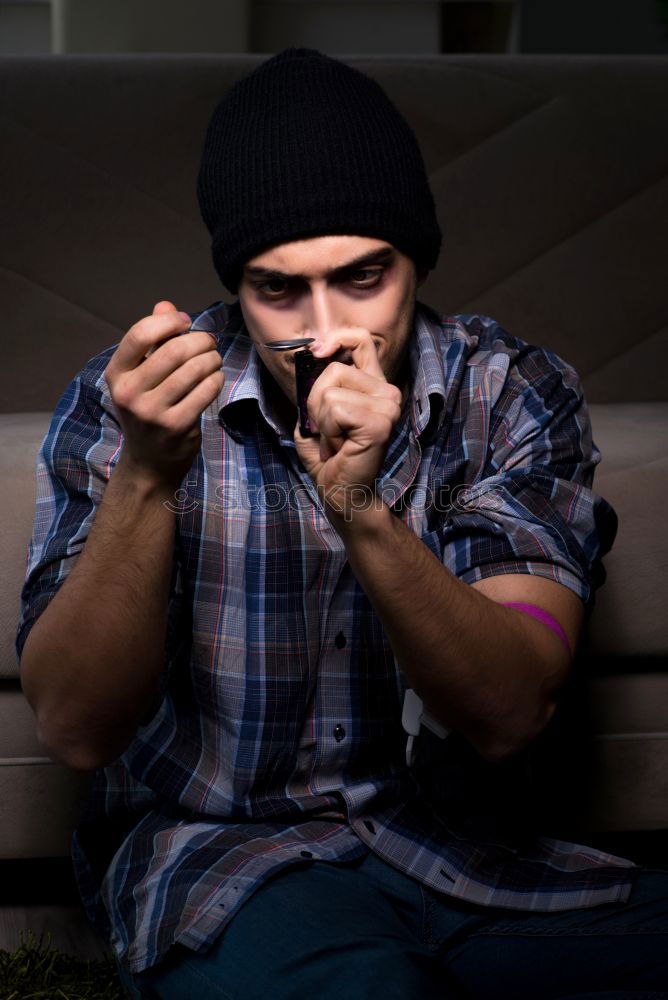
{"type": "Point", "coordinates": [550, 175]}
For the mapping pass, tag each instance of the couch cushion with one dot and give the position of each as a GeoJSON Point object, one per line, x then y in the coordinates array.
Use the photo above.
{"type": "Point", "coordinates": [622, 770]}
{"type": "Point", "coordinates": [21, 435]}
{"type": "Point", "coordinates": [18, 726]}
{"type": "Point", "coordinates": [630, 617]}
{"type": "Point", "coordinates": [40, 805]}
{"type": "Point", "coordinates": [629, 705]}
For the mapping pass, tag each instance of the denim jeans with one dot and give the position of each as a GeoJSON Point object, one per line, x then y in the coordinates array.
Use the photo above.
{"type": "Point", "coordinates": [362, 929]}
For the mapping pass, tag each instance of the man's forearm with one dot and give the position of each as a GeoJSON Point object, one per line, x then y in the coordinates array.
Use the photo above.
{"type": "Point", "coordinates": [91, 663]}
{"type": "Point", "coordinates": [480, 668]}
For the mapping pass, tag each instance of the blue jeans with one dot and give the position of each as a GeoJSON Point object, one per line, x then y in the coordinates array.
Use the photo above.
{"type": "Point", "coordinates": [362, 929]}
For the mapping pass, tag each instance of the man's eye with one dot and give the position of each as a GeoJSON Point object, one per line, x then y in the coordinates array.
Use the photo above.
{"type": "Point", "coordinates": [363, 278]}
{"type": "Point", "coordinates": [275, 281]}
{"type": "Point", "coordinates": [375, 276]}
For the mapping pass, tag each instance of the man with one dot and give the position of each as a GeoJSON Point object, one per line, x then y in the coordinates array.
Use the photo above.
{"type": "Point", "coordinates": [225, 618]}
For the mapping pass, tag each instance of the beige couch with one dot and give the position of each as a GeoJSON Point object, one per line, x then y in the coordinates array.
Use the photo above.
{"type": "Point", "coordinates": [550, 177]}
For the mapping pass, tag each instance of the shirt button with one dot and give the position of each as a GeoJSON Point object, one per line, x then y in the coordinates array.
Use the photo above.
{"type": "Point", "coordinates": [339, 733]}
{"type": "Point", "coordinates": [340, 640]}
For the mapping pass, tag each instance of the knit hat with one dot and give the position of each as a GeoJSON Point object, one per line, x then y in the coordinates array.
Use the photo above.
{"type": "Point", "coordinates": [304, 146]}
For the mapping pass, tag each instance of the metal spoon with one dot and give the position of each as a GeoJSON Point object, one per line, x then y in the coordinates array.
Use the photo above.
{"type": "Point", "coordinates": [287, 345]}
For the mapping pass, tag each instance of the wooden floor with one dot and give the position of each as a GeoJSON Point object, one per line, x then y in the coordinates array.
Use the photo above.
{"type": "Point", "coordinates": [41, 895]}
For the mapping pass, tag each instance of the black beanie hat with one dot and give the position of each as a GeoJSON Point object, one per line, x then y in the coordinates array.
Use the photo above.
{"type": "Point", "coordinates": [304, 146]}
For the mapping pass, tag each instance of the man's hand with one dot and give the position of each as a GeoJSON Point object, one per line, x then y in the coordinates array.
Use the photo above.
{"type": "Point", "coordinates": [161, 380]}
{"type": "Point", "coordinates": [353, 408]}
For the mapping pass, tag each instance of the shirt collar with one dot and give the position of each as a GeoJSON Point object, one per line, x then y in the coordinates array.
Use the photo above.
{"type": "Point", "coordinates": [433, 378]}
{"type": "Point", "coordinates": [244, 384]}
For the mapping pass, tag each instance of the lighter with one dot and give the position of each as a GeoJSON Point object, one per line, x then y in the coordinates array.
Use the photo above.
{"type": "Point", "coordinates": [307, 369]}
{"type": "Point", "coordinates": [412, 717]}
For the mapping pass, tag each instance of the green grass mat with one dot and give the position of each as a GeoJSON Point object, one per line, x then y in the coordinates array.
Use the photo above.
{"type": "Point", "coordinates": [36, 971]}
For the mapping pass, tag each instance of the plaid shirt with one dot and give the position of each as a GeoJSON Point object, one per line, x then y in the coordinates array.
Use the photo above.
{"type": "Point", "coordinates": [277, 732]}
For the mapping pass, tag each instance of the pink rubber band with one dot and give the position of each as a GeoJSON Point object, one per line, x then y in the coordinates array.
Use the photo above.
{"type": "Point", "coordinates": [542, 615]}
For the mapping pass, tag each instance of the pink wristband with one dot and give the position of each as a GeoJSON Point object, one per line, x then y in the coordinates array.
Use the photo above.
{"type": "Point", "coordinates": [542, 615]}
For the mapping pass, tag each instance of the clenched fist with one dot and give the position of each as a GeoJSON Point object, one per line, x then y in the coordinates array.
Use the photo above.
{"type": "Point", "coordinates": [161, 380]}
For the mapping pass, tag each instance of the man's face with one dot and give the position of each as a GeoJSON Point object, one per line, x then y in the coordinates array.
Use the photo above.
{"type": "Point", "coordinates": [313, 287]}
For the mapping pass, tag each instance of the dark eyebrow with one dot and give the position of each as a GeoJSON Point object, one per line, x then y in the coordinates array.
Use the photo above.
{"type": "Point", "coordinates": [374, 257]}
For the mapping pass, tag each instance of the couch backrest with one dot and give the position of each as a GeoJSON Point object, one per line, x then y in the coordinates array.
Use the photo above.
{"type": "Point", "coordinates": [549, 175]}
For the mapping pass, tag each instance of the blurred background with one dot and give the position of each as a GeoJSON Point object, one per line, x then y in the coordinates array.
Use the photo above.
{"type": "Point", "coordinates": [333, 26]}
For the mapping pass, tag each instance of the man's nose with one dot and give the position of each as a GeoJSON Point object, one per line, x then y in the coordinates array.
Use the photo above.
{"type": "Point", "coordinates": [321, 315]}
{"type": "Point", "coordinates": [323, 319]}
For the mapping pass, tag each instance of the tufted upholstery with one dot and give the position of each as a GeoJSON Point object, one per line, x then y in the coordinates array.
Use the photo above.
{"type": "Point", "coordinates": [550, 175]}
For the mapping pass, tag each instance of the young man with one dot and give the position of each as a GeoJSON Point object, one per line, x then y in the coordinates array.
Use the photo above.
{"type": "Point", "coordinates": [231, 622]}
